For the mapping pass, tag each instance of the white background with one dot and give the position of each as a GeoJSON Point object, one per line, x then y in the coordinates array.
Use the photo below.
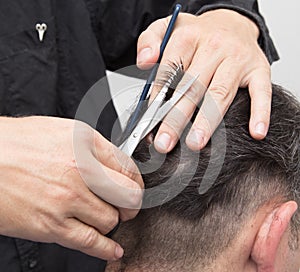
{"type": "Point", "coordinates": [283, 20]}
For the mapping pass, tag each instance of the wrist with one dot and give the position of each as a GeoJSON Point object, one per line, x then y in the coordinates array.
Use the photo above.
{"type": "Point", "coordinates": [235, 18]}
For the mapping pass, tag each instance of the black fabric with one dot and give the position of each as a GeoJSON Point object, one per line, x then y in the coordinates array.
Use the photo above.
{"type": "Point", "coordinates": [83, 38]}
{"type": "Point", "coordinates": [49, 77]}
{"type": "Point", "coordinates": [117, 37]}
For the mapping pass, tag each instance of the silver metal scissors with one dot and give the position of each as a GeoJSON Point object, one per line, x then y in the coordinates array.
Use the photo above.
{"type": "Point", "coordinates": [153, 115]}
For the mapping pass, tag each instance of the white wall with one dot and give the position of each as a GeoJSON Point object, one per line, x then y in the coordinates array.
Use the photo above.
{"type": "Point", "coordinates": [283, 20]}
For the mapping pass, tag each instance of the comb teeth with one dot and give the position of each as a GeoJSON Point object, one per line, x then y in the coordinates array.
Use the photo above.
{"type": "Point", "coordinates": [175, 77]}
{"type": "Point", "coordinates": [172, 76]}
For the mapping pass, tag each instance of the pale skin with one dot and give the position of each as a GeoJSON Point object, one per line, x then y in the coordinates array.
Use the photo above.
{"type": "Point", "coordinates": [44, 192]}
{"type": "Point", "coordinates": [261, 246]}
{"type": "Point", "coordinates": [221, 47]}
{"type": "Point", "coordinates": [43, 195]}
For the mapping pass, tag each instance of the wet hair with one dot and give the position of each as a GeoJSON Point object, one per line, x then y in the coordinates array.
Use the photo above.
{"type": "Point", "coordinates": [193, 228]}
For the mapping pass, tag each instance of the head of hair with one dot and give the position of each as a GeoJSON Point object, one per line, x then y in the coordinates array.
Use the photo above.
{"type": "Point", "coordinates": [193, 229]}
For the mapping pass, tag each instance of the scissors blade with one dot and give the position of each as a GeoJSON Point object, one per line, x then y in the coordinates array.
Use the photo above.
{"type": "Point", "coordinates": [138, 134]}
{"type": "Point", "coordinates": [165, 109]}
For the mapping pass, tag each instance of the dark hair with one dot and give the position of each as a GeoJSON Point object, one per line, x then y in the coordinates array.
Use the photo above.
{"type": "Point", "coordinates": [193, 227]}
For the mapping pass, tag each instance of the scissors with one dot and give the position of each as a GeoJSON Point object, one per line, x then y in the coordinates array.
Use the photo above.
{"type": "Point", "coordinates": [154, 114]}
{"type": "Point", "coordinates": [145, 93]}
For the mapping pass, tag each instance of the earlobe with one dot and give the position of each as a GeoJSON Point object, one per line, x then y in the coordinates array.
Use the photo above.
{"type": "Point", "coordinates": [268, 239]}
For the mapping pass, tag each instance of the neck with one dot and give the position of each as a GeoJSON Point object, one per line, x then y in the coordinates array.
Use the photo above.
{"type": "Point", "coordinates": [235, 258]}
{"type": "Point", "coordinates": [158, 266]}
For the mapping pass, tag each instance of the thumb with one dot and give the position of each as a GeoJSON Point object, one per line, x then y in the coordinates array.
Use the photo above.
{"type": "Point", "coordinates": [149, 42]}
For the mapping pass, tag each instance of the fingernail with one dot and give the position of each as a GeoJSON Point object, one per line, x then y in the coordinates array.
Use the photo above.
{"type": "Point", "coordinates": [163, 142]}
{"type": "Point", "coordinates": [260, 129]}
{"type": "Point", "coordinates": [119, 252]}
{"type": "Point", "coordinates": [144, 55]}
{"type": "Point", "coordinates": [196, 139]}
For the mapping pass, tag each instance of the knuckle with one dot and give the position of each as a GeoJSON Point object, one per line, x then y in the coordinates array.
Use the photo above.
{"type": "Point", "coordinates": [266, 70]}
{"type": "Point", "coordinates": [112, 221]}
{"type": "Point", "coordinates": [195, 93]}
{"type": "Point", "coordinates": [71, 195]}
{"type": "Point", "coordinates": [239, 54]}
{"type": "Point", "coordinates": [128, 216]}
{"type": "Point", "coordinates": [162, 22]}
{"type": "Point", "coordinates": [267, 92]}
{"type": "Point", "coordinates": [238, 47]}
{"type": "Point", "coordinates": [132, 202]}
{"type": "Point", "coordinates": [88, 238]}
{"type": "Point", "coordinates": [135, 198]}
{"type": "Point", "coordinates": [65, 194]}
{"type": "Point", "coordinates": [220, 92]}
{"type": "Point", "coordinates": [215, 42]}
{"type": "Point", "coordinates": [187, 32]}
{"type": "Point", "coordinates": [129, 168]}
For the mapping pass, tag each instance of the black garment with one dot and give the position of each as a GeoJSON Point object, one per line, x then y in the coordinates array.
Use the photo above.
{"type": "Point", "coordinates": [83, 38]}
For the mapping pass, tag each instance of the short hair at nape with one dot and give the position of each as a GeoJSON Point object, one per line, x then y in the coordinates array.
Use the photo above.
{"type": "Point", "coordinates": [193, 227]}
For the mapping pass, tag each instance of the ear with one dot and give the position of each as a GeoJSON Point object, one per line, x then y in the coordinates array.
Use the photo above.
{"type": "Point", "coordinates": [270, 234]}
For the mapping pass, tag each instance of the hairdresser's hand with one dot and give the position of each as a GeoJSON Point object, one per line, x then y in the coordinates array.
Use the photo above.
{"type": "Point", "coordinates": [45, 165]}
{"type": "Point", "coordinates": [221, 47]}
